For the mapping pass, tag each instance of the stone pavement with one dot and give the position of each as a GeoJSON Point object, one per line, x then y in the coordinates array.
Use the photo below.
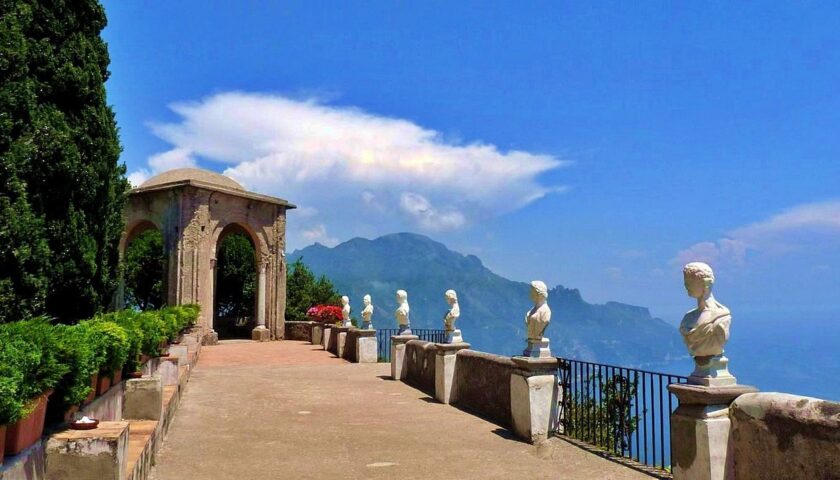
{"type": "Point", "coordinates": [290, 410]}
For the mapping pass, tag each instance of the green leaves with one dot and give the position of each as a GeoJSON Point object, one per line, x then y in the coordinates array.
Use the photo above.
{"type": "Point", "coordinates": [304, 291]}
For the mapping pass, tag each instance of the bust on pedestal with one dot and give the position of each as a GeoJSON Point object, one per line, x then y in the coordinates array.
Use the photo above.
{"type": "Point", "coordinates": [402, 313]}
{"type": "Point", "coordinates": [453, 335]}
{"type": "Point", "coordinates": [700, 425]}
{"type": "Point", "coordinates": [536, 321]}
{"type": "Point", "coordinates": [367, 313]}
{"type": "Point", "coordinates": [345, 312]}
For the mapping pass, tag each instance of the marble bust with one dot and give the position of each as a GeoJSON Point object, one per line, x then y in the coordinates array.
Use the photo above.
{"type": "Point", "coordinates": [453, 335]}
{"type": "Point", "coordinates": [367, 313]}
{"type": "Point", "coordinates": [402, 313]}
{"type": "Point", "coordinates": [705, 329]}
{"type": "Point", "coordinates": [345, 311]}
{"type": "Point", "coordinates": [537, 320]}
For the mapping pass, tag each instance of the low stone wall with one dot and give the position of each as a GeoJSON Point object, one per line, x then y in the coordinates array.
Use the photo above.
{"type": "Point", "coordinates": [420, 365]}
{"type": "Point", "coordinates": [784, 436]}
{"type": "Point", "coordinates": [350, 345]}
{"type": "Point", "coordinates": [482, 381]}
{"type": "Point", "coordinates": [299, 331]}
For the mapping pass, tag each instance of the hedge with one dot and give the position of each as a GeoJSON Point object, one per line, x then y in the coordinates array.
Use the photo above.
{"type": "Point", "coordinates": [37, 356]}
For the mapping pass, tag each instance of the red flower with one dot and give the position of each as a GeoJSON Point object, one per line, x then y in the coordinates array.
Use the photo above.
{"type": "Point", "coordinates": [324, 313]}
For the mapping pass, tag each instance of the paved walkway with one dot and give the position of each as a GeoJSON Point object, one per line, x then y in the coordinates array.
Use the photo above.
{"type": "Point", "coordinates": [290, 410]}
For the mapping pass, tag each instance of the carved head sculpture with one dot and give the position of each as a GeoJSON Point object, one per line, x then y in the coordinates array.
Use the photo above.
{"type": "Point", "coordinates": [539, 292]}
{"type": "Point", "coordinates": [451, 296]}
{"type": "Point", "coordinates": [699, 279]}
{"type": "Point", "coordinates": [366, 300]}
{"type": "Point", "coordinates": [345, 300]}
{"type": "Point", "coordinates": [402, 296]}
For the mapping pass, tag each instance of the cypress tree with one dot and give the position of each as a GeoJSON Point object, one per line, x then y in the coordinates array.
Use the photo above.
{"type": "Point", "coordinates": [62, 187]}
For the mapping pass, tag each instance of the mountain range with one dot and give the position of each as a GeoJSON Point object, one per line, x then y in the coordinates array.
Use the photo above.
{"type": "Point", "coordinates": [492, 307]}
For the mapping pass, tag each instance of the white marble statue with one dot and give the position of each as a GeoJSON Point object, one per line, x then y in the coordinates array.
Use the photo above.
{"type": "Point", "coordinates": [367, 313]}
{"type": "Point", "coordinates": [345, 311]}
{"type": "Point", "coordinates": [705, 329]}
{"type": "Point", "coordinates": [536, 321]}
{"type": "Point", "coordinates": [402, 313]}
{"type": "Point", "coordinates": [453, 335]}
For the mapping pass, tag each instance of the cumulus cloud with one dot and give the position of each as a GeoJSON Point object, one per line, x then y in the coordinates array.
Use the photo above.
{"type": "Point", "coordinates": [781, 233]}
{"type": "Point", "coordinates": [161, 162]}
{"type": "Point", "coordinates": [345, 162]}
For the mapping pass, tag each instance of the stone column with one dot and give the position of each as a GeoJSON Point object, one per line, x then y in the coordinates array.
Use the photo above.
{"type": "Point", "coordinates": [445, 358]}
{"type": "Point", "coordinates": [101, 453]}
{"type": "Point", "coordinates": [316, 333]}
{"type": "Point", "coordinates": [398, 370]}
{"type": "Point", "coordinates": [366, 346]}
{"type": "Point", "coordinates": [700, 430]}
{"type": "Point", "coordinates": [327, 334]}
{"type": "Point", "coordinates": [340, 336]}
{"type": "Point", "coordinates": [261, 333]}
{"type": "Point", "coordinates": [534, 394]}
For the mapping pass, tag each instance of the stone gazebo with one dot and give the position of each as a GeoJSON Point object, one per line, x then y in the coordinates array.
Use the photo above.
{"type": "Point", "coordinates": [194, 209]}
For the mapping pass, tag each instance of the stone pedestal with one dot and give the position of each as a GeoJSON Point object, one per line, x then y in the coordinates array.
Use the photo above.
{"type": "Point", "coordinates": [210, 338]}
{"type": "Point", "coordinates": [537, 349]}
{"type": "Point", "coordinates": [454, 336]}
{"type": "Point", "coordinates": [366, 346]}
{"type": "Point", "coordinates": [170, 370]}
{"type": "Point", "coordinates": [326, 335]}
{"type": "Point", "coordinates": [404, 330]}
{"type": "Point", "coordinates": [338, 341]}
{"type": "Point", "coordinates": [700, 430]}
{"type": "Point", "coordinates": [398, 370]}
{"type": "Point", "coordinates": [260, 334]}
{"type": "Point", "coordinates": [711, 371]}
{"type": "Point", "coordinates": [533, 397]}
{"type": "Point", "coordinates": [445, 358]}
{"type": "Point", "coordinates": [317, 333]}
{"type": "Point", "coordinates": [367, 326]}
{"type": "Point", "coordinates": [97, 454]}
{"type": "Point", "coordinates": [143, 399]}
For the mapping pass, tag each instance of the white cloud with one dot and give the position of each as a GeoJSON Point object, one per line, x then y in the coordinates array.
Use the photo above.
{"type": "Point", "coordinates": [778, 234]}
{"type": "Point", "coordinates": [353, 166]}
{"type": "Point", "coordinates": [161, 162]}
{"type": "Point", "coordinates": [318, 233]}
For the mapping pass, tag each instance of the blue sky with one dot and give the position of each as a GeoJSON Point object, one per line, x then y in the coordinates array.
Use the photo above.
{"type": "Point", "coordinates": [594, 145]}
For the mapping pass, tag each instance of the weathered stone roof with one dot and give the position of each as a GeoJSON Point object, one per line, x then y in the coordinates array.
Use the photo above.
{"type": "Point", "coordinates": [206, 179]}
{"type": "Point", "coordinates": [197, 174]}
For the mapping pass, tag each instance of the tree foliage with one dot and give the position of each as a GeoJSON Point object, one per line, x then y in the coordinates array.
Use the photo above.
{"type": "Point", "coordinates": [236, 277]}
{"type": "Point", "coordinates": [304, 291]}
{"type": "Point", "coordinates": [61, 186]}
{"type": "Point", "coordinates": [144, 271]}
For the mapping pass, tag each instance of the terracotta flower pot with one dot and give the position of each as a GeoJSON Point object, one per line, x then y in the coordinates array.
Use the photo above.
{"type": "Point", "coordinates": [2, 442]}
{"type": "Point", "coordinates": [137, 374]}
{"type": "Point", "coordinates": [116, 377]}
{"type": "Point", "coordinates": [70, 412]}
{"type": "Point", "coordinates": [92, 395]}
{"type": "Point", "coordinates": [26, 431]}
{"type": "Point", "coordinates": [103, 383]}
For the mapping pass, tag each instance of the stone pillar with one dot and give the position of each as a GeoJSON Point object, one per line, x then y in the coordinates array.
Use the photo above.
{"type": "Point", "coordinates": [339, 335]}
{"type": "Point", "coordinates": [143, 399]}
{"type": "Point", "coordinates": [260, 333]}
{"type": "Point", "coordinates": [533, 397]}
{"type": "Point", "coordinates": [366, 346]}
{"type": "Point", "coordinates": [316, 333]}
{"type": "Point", "coordinates": [97, 454]}
{"type": "Point", "coordinates": [326, 336]}
{"type": "Point", "coordinates": [445, 358]}
{"type": "Point", "coordinates": [398, 370]}
{"type": "Point", "coordinates": [700, 430]}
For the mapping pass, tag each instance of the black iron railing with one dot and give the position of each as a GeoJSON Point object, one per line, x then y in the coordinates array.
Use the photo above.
{"type": "Point", "coordinates": [622, 410]}
{"type": "Point", "coordinates": [383, 339]}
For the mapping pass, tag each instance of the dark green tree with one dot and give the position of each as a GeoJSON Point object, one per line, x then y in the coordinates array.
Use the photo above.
{"type": "Point", "coordinates": [144, 271]}
{"type": "Point", "coordinates": [303, 291]}
{"type": "Point", "coordinates": [61, 184]}
{"type": "Point", "coordinates": [236, 277]}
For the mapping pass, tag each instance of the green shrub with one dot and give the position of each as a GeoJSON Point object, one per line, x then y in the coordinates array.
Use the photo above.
{"type": "Point", "coordinates": [78, 350]}
{"type": "Point", "coordinates": [16, 357]}
{"type": "Point", "coordinates": [127, 319]}
{"type": "Point", "coordinates": [115, 340]}
{"type": "Point", "coordinates": [44, 369]}
{"type": "Point", "coordinates": [154, 332]}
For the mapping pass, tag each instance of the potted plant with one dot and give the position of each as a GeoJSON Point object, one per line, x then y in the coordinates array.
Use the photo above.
{"type": "Point", "coordinates": [78, 348]}
{"type": "Point", "coordinates": [114, 340]}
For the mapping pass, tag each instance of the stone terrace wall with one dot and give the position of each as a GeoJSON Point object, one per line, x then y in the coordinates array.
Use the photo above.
{"type": "Point", "coordinates": [482, 383]}
{"type": "Point", "coordinates": [299, 331]}
{"type": "Point", "coordinates": [350, 345]}
{"type": "Point", "coordinates": [420, 365]}
{"type": "Point", "coordinates": [785, 436]}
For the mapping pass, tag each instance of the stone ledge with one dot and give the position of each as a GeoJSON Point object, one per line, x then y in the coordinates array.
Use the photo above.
{"type": "Point", "coordinates": [690, 394]}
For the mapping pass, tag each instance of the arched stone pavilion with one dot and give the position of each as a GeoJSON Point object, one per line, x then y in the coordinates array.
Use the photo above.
{"type": "Point", "coordinates": [194, 209]}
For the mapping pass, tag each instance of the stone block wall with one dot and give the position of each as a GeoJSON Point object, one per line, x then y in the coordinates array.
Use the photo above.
{"type": "Point", "coordinates": [780, 436]}
{"type": "Point", "coordinates": [298, 331]}
{"type": "Point", "coordinates": [420, 365]}
{"type": "Point", "coordinates": [483, 384]}
{"type": "Point", "coordinates": [350, 345]}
